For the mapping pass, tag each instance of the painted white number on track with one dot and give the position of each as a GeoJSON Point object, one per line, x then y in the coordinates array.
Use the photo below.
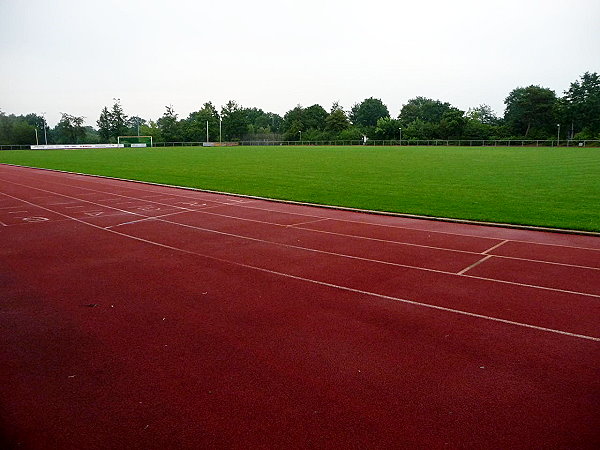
{"type": "Point", "coordinates": [93, 213]}
{"type": "Point", "coordinates": [35, 219]}
{"type": "Point", "coordinates": [148, 208]}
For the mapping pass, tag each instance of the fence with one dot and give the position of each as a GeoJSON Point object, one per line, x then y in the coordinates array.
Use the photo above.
{"type": "Point", "coordinates": [406, 143]}
{"type": "Point", "coordinates": [388, 142]}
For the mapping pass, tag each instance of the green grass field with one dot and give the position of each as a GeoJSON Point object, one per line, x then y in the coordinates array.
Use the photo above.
{"type": "Point", "coordinates": [531, 186]}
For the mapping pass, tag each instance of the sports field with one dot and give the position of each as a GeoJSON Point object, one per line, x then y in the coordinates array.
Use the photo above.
{"type": "Point", "coordinates": [531, 186]}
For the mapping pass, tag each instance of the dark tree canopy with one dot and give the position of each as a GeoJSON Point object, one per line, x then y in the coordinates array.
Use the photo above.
{"type": "Point", "coordinates": [531, 111]}
{"type": "Point", "coordinates": [368, 112]}
{"type": "Point", "coordinates": [424, 109]}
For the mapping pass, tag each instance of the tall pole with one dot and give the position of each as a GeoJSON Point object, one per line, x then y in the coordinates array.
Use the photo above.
{"type": "Point", "coordinates": [300, 135]}
{"type": "Point", "coordinates": [220, 129]}
{"type": "Point", "coordinates": [207, 131]}
{"type": "Point", "coordinates": [400, 129]}
{"type": "Point", "coordinates": [558, 135]}
{"type": "Point", "coordinates": [36, 138]}
{"type": "Point", "coordinates": [44, 124]}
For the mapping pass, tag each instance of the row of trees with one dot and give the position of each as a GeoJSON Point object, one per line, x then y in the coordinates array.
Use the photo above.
{"type": "Point", "coordinates": [531, 112]}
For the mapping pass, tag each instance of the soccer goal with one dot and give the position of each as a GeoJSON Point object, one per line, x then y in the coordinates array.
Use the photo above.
{"type": "Point", "coordinates": [135, 141]}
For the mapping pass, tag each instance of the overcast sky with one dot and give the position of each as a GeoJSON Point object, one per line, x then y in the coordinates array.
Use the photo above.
{"type": "Point", "coordinates": [75, 56]}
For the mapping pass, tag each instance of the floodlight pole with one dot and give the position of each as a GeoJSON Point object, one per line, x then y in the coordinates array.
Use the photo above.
{"type": "Point", "coordinates": [300, 135]}
{"type": "Point", "coordinates": [207, 131]}
{"type": "Point", "coordinates": [36, 137]}
{"type": "Point", "coordinates": [400, 129]}
{"type": "Point", "coordinates": [44, 124]}
{"type": "Point", "coordinates": [220, 129]}
{"type": "Point", "coordinates": [558, 135]}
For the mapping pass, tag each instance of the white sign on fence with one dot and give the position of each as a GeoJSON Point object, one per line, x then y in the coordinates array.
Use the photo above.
{"type": "Point", "coordinates": [55, 146]}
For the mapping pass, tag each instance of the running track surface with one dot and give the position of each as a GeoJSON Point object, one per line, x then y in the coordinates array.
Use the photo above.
{"type": "Point", "coordinates": [141, 316]}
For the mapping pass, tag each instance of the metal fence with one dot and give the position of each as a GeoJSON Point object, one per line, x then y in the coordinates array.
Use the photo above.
{"type": "Point", "coordinates": [406, 143]}
{"type": "Point", "coordinates": [388, 142]}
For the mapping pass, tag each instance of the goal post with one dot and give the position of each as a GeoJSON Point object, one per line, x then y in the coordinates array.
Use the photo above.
{"type": "Point", "coordinates": [135, 141]}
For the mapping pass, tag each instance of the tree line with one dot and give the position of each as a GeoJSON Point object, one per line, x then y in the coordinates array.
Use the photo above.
{"type": "Point", "coordinates": [531, 112]}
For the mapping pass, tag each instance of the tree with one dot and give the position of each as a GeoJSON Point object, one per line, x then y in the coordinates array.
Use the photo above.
{"type": "Point", "coordinates": [168, 125]}
{"type": "Point", "coordinates": [483, 114]}
{"type": "Point", "coordinates": [424, 109]}
{"type": "Point", "coordinates": [388, 128]}
{"type": "Point", "coordinates": [118, 120]}
{"type": "Point", "coordinates": [69, 129]}
{"type": "Point", "coordinates": [420, 130]}
{"type": "Point", "coordinates": [135, 123]}
{"type": "Point", "coordinates": [530, 112]}
{"type": "Point", "coordinates": [314, 117]}
{"type": "Point", "coordinates": [582, 105]}
{"type": "Point", "coordinates": [104, 125]}
{"type": "Point", "coordinates": [235, 123]}
{"type": "Point", "coordinates": [452, 124]}
{"type": "Point", "coordinates": [368, 112]}
{"type": "Point", "coordinates": [194, 127]}
{"type": "Point", "coordinates": [337, 120]}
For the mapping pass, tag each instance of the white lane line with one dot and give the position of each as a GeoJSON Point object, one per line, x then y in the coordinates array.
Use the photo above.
{"type": "Point", "coordinates": [334, 286]}
{"type": "Point", "coordinates": [17, 212]}
{"type": "Point", "coordinates": [379, 261]}
{"type": "Point", "coordinates": [107, 180]}
{"type": "Point", "coordinates": [333, 253]}
{"type": "Point", "coordinates": [475, 264]}
{"type": "Point", "coordinates": [319, 219]}
{"type": "Point", "coordinates": [203, 211]}
{"type": "Point", "coordinates": [145, 219]}
{"type": "Point", "coordinates": [66, 196]}
{"type": "Point", "coordinates": [546, 262]}
{"type": "Point", "coordinates": [305, 223]}
{"type": "Point", "coordinates": [103, 181]}
{"type": "Point", "coordinates": [12, 207]}
{"type": "Point", "coordinates": [485, 252]}
{"type": "Point", "coordinates": [424, 229]}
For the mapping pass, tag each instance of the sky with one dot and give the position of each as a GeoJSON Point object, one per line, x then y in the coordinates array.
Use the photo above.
{"type": "Point", "coordinates": [76, 56]}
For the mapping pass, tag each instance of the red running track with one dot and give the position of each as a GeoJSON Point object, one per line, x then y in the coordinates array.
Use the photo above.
{"type": "Point", "coordinates": [141, 316]}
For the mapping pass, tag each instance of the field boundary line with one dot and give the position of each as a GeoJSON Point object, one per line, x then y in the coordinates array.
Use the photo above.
{"type": "Point", "coordinates": [341, 208]}
{"type": "Point", "coordinates": [323, 283]}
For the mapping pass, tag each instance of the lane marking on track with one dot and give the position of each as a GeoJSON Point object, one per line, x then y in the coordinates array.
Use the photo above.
{"type": "Point", "coordinates": [302, 223]}
{"type": "Point", "coordinates": [331, 285]}
{"type": "Point", "coordinates": [106, 180]}
{"type": "Point", "coordinates": [145, 219]}
{"type": "Point", "coordinates": [485, 252]}
{"type": "Point", "coordinates": [475, 264]}
{"type": "Point", "coordinates": [326, 252]}
{"type": "Point", "coordinates": [203, 211]}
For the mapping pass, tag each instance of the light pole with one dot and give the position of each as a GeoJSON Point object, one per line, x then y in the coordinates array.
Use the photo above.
{"type": "Point", "coordinates": [400, 129]}
{"type": "Point", "coordinates": [44, 125]}
{"type": "Point", "coordinates": [300, 135]}
{"type": "Point", "coordinates": [36, 137]}
{"type": "Point", "coordinates": [558, 135]}
{"type": "Point", "coordinates": [207, 131]}
{"type": "Point", "coordinates": [220, 129]}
